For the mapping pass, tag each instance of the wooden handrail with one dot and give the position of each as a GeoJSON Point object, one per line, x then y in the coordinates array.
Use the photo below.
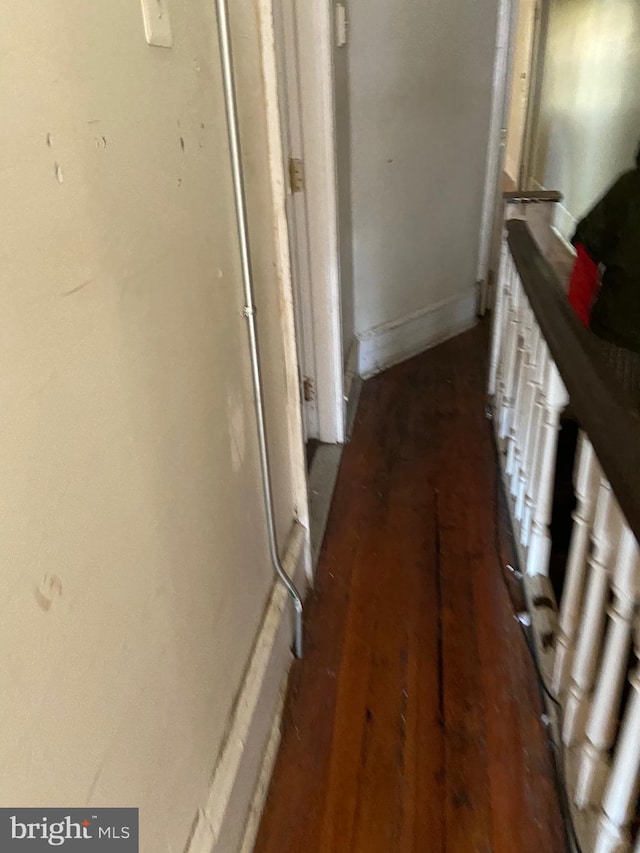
{"type": "Point", "coordinates": [532, 196]}
{"type": "Point", "coordinates": [600, 404]}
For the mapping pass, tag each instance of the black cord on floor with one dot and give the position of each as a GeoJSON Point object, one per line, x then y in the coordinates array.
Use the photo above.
{"type": "Point", "coordinates": [559, 767]}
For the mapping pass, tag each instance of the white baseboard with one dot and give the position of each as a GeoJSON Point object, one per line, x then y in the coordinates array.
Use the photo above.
{"type": "Point", "coordinates": [352, 386]}
{"type": "Point", "coordinates": [391, 343]}
{"type": "Point", "coordinates": [564, 222]}
{"type": "Point", "coordinates": [264, 779]}
{"type": "Point", "coordinates": [241, 777]}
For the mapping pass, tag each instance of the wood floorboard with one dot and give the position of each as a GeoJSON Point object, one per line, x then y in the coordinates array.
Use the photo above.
{"type": "Point", "coordinates": [413, 723]}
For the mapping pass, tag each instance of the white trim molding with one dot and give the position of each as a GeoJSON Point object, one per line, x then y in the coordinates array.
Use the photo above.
{"type": "Point", "coordinates": [231, 809]}
{"type": "Point", "coordinates": [315, 30]}
{"type": "Point", "coordinates": [282, 248]}
{"type": "Point", "coordinates": [393, 342]}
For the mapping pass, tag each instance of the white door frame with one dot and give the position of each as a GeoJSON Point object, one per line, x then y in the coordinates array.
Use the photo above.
{"type": "Point", "coordinates": [315, 33]}
{"type": "Point", "coordinates": [291, 130]}
{"type": "Point", "coordinates": [320, 286]}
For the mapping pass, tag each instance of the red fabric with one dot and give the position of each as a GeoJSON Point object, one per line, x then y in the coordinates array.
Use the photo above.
{"type": "Point", "coordinates": [583, 285]}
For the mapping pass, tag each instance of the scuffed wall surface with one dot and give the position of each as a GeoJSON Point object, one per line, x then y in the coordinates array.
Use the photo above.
{"type": "Point", "coordinates": [589, 121]}
{"type": "Point", "coordinates": [133, 553]}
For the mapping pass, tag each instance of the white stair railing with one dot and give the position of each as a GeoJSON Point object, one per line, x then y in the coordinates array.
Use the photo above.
{"type": "Point", "coordinates": [589, 647]}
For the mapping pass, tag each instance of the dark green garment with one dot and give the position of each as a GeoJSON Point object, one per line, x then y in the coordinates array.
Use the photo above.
{"type": "Point", "coordinates": [611, 236]}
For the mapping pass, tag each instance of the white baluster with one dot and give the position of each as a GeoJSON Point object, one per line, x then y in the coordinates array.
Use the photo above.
{"type": "Point", "coordinates": [498, 315]}
{"type": "Point", "coordinates": [540, 542]}
{"type": "Point", "coordinates": [503, 346]}
{"type": "Point", "coordinates": [591, 628]}
{"type": "Point", "coordinates": [619, 802]}
{"type": "Point", "coordinates": [521, 410]}
{"type": "Point", "coordinates": [538, 408]}
{"type": "Point", "coordinates": [515, 434]}
{"type": "Point", "coordinates": [603, 719]}
{"type": "Point", "coordinates": [500, 331]}
{"type": "Point", "coordinates": [510, 354]}
{"type": "Point", "coordinates": [507, 287]}
{"type": "Point", "coordinates": [532, 388]}
{"type": "Point", "coordinates": [587, 477]}
{"type": "Point", "coordinates": [514, 358]}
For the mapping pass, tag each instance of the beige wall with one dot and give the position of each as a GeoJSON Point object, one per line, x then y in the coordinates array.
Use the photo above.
{"type": "Point", "coordinates": [133, 557]}
{"type": "Point", "coordinates": [589, 122]}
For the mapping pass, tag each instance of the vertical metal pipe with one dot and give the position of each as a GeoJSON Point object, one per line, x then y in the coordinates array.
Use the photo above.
{"type": "Point", "coordinates": [231, 106]}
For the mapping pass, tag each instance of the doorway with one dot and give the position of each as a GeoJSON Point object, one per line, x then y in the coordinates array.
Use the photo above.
{"type": "Point", "coordinates": [524, 38]}
{"type": "Point", "coordinates": [516, 83]}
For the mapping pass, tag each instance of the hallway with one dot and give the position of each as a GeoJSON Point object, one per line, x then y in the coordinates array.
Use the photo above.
{"type": "Point", "coordinates": [413, 723]}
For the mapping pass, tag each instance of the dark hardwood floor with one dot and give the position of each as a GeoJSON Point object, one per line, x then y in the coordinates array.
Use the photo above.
{"type": "Point", "coordinates": [413, 723]}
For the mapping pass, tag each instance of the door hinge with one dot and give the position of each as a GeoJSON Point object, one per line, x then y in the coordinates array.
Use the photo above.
{"type": "Point", "coordinates": [296, 175]}
{"type": "Point", "coordinates": [308, 391]}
